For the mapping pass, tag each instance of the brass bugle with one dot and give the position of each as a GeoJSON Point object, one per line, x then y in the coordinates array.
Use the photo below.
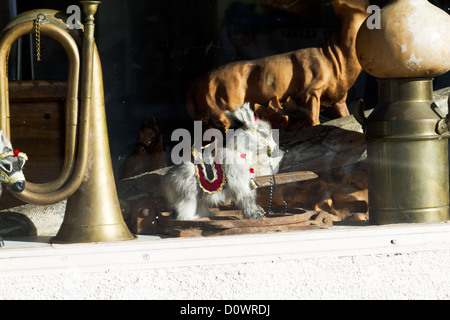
{"type": "Point", "coordinates": [23, 25]}
{"type": "Point", "coordinates": [93, 212]}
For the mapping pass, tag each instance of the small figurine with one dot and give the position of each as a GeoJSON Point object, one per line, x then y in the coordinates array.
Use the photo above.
{"type": "Point", "coordinates": [222, 172]}
{"type": "Point", "coordinates": [148, 154]}
{"type": "Point", "coordinates": [11, 165]}
{"type": "Point", "coordinates": [313, 77]}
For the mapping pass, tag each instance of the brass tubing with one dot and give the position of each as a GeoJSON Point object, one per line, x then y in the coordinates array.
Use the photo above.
{"type": "Point", "coordinates": [71, 124]}
{"type": "Point", "coordinates": [54, 191]}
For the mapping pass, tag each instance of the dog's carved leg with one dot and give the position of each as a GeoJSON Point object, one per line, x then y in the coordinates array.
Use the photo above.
{"type": "Point", "coordinates": [340, 108]}
{"type": "Point", "coordinates": [312, 104]}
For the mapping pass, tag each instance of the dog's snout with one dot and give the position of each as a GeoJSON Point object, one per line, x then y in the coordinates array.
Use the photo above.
{"type": "Point", "coordinates": [18, 186]}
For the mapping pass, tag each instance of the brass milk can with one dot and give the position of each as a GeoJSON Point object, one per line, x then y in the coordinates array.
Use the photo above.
{"type": "Point", "coordinates": [407, 137]}
{"type": "Point", "coordinates": [407, 154]}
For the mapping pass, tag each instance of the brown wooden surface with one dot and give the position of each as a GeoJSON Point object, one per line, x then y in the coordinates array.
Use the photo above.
{"type": "Point", "coordinates": [342, 192]}
{"type": "Point", "coordinates": [37, 111]}
{"type": "Point", "coordinates": [40, 90]}
{"type": "Point", "coordinates": [226, 221]}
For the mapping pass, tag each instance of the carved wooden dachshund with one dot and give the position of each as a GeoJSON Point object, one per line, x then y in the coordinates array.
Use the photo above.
{"type": "Point", "coordinates": [313, 77]}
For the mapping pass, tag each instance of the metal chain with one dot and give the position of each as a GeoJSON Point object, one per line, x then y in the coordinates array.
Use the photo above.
{"type": "Point", "coordinates": [273, 184]}
{"type": "Point", "coordinates": [37, 32]}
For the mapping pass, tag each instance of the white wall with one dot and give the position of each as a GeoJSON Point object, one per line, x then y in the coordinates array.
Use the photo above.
{"type": "Point", "coordinates": [393, 262]}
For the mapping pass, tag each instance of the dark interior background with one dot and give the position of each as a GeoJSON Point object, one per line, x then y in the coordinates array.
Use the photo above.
{"type": "Point", "coordinates": [152, 51]}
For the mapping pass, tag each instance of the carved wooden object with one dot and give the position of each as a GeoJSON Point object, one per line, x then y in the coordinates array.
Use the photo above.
{"type": "Point", "coordinates": [312, 77]}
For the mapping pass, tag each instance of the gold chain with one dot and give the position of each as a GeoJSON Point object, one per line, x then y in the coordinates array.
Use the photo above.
{"type": "Point", "coordinates": [37, 32]}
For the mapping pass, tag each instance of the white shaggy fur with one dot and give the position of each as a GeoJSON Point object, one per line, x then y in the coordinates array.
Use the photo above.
{"type": "Point", "coordinates": [11, 167]}
{"type": "Point", "coordinates": [253, 138]}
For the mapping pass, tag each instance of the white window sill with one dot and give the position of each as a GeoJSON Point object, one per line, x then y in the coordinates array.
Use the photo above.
{"type": "Point", "coordinates": [151, 252]}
